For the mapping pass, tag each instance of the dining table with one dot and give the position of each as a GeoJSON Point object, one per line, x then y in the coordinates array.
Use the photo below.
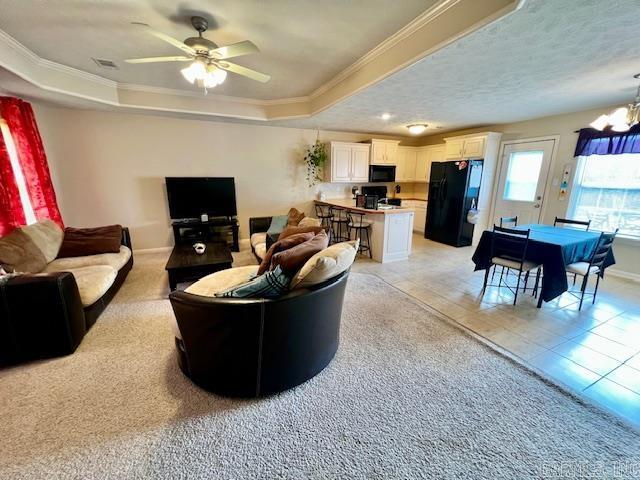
{"type": "Point", "coordinates": [552, 247]}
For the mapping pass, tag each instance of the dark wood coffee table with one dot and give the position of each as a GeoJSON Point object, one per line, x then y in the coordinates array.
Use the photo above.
{"type": "Point", "coordinates": [186, 265]}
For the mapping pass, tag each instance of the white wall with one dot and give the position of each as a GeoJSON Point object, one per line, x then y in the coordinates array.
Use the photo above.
{"type": "Point", "coordinates": [110, 167]}
{"type": "Point", "coordinates": [627, 252]}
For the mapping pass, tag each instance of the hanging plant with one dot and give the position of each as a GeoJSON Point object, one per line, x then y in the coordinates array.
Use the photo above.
{"type": "Point", "coordinates": [315, 158]}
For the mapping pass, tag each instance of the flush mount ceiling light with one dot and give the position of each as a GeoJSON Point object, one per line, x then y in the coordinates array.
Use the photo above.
{"type": "Point", "coordinates": [209, 66]}
{"type": "Point", "coordinates": [621, 119]}
{"type": "Point", "coordinates": [385, 116]}
{"type": "Point", "coordinates": [417, 128]}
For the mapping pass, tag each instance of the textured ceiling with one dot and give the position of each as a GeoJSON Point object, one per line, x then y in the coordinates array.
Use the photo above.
{"type": "Point", "coordinates": [550, 57]}
{"type": "Point", "coordinates": [303, 43]}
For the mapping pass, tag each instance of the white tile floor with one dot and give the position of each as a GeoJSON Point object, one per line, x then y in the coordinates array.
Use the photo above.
{"type": "Point", "coordinates": [595, 352]}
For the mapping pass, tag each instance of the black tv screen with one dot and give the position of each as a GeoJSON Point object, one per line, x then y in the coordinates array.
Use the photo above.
{"type": "Point", "coordinates": [190, 197]}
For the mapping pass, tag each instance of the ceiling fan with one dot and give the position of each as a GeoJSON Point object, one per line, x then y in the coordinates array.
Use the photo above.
{"type": "Point", "coordinates": [209, 65]}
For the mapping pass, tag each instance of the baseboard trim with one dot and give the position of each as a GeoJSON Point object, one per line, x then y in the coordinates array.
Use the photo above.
{"type": "Point", "coordinates": [152, 250]}
{"type": "Point", "coordinates": [635, 277]}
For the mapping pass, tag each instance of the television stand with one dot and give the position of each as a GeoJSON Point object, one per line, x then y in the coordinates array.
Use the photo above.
{"type": "Point", "coordinates": [217, 229]}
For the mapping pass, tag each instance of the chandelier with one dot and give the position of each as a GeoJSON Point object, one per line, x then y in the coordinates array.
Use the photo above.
{"type": "Point", "coordinates": [621, 119]}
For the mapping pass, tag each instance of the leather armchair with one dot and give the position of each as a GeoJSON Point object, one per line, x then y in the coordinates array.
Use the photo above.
{"type": "Point", "coordinates": [257, 347]}
{"type": "Point", "coordinates": [41, 315]}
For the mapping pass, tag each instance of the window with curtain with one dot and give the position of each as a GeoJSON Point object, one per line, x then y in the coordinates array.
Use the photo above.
{"type": "Point", "coordinates": [606, 191]}
{"type": "Point", "coordinates": [16, 173]}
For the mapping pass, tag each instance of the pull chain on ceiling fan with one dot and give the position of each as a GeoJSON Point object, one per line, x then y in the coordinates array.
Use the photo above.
{"type": "Point", "coordinates": [209, 65]}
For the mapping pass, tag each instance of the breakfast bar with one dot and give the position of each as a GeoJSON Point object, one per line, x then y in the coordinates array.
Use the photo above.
{"type": "Point", "coordinates": [391, 228]}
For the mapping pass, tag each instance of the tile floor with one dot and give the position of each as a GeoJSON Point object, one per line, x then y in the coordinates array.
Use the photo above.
{"type": "Point", "coordinates": [595, 352]}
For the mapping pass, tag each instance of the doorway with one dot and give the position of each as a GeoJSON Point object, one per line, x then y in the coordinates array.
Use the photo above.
{"type": "Point", "coordinates": [524, 170]}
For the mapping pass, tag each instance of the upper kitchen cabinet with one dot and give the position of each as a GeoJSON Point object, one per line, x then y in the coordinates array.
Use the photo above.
{"type": "Point", "coordinates": [384, 152]}
{"type": "Point", "coordinates": [468, 147]}
{"type": "Point", "coordinates": [406, 164]}
{"type": "Point", "coordinates": [348, 163]}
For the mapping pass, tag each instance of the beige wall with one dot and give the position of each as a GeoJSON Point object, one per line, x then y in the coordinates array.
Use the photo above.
{"type": "Point", "coordinates": [627, 251]}
{"type": "Point", "coordinates": [110, 167]}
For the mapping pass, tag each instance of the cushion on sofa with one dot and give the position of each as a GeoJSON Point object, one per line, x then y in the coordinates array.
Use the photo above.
{"type": "Point", "coordinates": [223, 280]}
{"type": "Point", "coordinates": [326, 264]}
{"type": "Point", "coordinates": [278, 223]}
{"type": "Point", "coordinates": [287, 232]}
{"type": "Point", "coordinates": [261, 250]}
{"type": "Point", "coordinates": [93, 282]}
{"type": "Point", "coordinates": [309, 222]}
{"type": "Point", "coordinates": [18, 253]}
{"type": "Point", "coordinates": [79, 242]}
{"type": "Point", "coordinates": [115, 260]}
{"type": "Point", "coordinates": [292, 259]}
{"type": "Point", "coordinates": [271, 284]}
{"type": "Point", "coordinates": [293, 217]}
{"type": "Point", "coordinates": [47, 235]}
{"type": "Point", "coordinates": [258, 238]}
{"type": "Point", "coordinates": [280, 246]}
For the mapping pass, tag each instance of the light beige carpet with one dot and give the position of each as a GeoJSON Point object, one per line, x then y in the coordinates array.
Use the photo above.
{"type": "Point", "coordinates": [407, 396]}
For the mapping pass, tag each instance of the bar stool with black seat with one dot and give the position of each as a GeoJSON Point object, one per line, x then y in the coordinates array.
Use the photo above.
{"type": "Point", "coordinates": [509, 249]}
{"type": "Point", "coordinates": [339, 224]}
{"type": "Point", "coordinates": [323, 212]}
{"type": "Point", "coordinates": [361, 227]}
{"type": "Point", "coordinates": [594, 266]}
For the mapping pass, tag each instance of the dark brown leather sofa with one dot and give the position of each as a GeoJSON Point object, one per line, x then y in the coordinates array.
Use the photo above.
{"type": "Point", "coordinates": [257, 347]}
{"type": "Point", "coordinates": [41, 315]}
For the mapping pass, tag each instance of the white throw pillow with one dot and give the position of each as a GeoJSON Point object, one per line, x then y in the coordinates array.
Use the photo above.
{"type": "Point", "coordinates": [309, 222]}
{"type": "Point", "coordinates": [223, 280]}
{"type": "Point", "coordinates": [326, 264]}
{"type": "Point", "coordinates": [47, 236]}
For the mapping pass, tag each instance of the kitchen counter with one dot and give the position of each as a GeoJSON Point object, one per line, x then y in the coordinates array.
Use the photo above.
{"type": "Point", "coordinates": [391, 229]}
{"type": "Point", "coordinates": [351, 205]}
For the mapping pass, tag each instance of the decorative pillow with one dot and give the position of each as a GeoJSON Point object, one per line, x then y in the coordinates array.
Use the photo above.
{"type": "Point", "coordinates": [18, 253]}
{"type": "Point", "coordinates": [309, 222]}
{"type": "Point", "coordinates": [292, 259]}
{"type": "Point", "coordinates": [326, 264]}
{"type": "Point", "coordinates": [278, 223]}
{"type": "Point", "coordinates": [281, 245]}
{"type": "Point", "coordinates": [287, 232]}
{"type": "Point", "coordinates": [223, 280]}
{"type": "Point", "coordinates": [269, 285]}
{"type": "Point", "coordinates": [79, 242]}
{"type": "Point", "coordinates": [47, 235]}
{"type": "Point", "coordinates": [293, 217]}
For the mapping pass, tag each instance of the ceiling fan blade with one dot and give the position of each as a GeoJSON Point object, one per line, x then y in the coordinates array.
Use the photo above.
{"type": "Point", "coordinates": [158, 59]}
{"type": "Point", "coordinates": [166, 38]}
{"type": "Point", "coordinates": [234, 50]}
{"type": "Point", "coordinates": [244, 71]}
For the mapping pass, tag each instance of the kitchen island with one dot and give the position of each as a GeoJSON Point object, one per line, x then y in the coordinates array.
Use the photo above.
{"type": "Point", "coordinates": [391, 229]}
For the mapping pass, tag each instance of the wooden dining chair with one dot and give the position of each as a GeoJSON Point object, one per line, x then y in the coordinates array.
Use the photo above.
{"type": "Point", "coordinates": [505, 221]}
{"type": "Point", "coordinates": [568, 221]}
{"type": "Point", "coordinates": [595, 265]}
{"type": "Point", "coordinates": [509, 249]}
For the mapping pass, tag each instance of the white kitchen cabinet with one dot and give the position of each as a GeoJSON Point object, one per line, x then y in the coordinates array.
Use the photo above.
{"type": "Point", "coordinates": [406, 164]}
{"type": "Point", "coordinates": [423, 164]}
{"type": "Point", "coordinates": [467, 147]}
{"type": "Point", "coordinates": [398, 234]}
{"type": "Point", "coordinates": [348, 163]}
{"type": "Point", "coordinates": [384, 152]}
{"type": "Point", "coordinates": [420, 209]}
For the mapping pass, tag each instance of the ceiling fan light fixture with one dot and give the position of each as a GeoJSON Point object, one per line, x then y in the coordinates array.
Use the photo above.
{"type": "Point", "coordinates": [195, 71]}
{"type": "Point", "coordinates": [600, 123]}
{"type": "Point", "coordinates": [621, 119]}
{"type": "Point", "coordinates": [417, 128]}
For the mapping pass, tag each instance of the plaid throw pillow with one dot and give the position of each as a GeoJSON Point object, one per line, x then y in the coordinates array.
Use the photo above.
{"type": "Point", "coordinates": [271, 284]}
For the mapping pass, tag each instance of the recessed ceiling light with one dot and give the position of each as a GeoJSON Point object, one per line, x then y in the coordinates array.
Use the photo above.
{"type": "Point", "coordinates": [417, 128]}
{"type": "Point", "coordinates": [385, 116]}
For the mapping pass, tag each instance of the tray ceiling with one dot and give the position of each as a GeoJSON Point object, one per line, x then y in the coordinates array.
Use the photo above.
{"type": "Point", "coordinates": [303, 43]}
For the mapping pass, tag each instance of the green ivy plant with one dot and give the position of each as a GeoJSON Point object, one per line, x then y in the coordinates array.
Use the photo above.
{"type": "Point", "coordinates": [315, 158]}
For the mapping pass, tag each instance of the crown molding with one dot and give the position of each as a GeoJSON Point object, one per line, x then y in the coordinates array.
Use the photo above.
{"type": "Point", "coordinates": [435, 28]}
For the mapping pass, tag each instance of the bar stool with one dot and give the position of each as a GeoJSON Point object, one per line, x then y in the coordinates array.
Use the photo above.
{"type": "Point", "coordinates": [323, 212]}
{"type": "Point", "coordinates": [361, 226]}
{"type": "Point", "coordinates": [339, 224]}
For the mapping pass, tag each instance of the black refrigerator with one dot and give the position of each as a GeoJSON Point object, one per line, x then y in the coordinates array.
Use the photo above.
{"type": "Point", "coordinates": [453, 190]}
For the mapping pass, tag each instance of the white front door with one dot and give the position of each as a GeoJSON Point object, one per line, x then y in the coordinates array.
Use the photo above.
{"type": "Point", "coordinates": [523, 177]}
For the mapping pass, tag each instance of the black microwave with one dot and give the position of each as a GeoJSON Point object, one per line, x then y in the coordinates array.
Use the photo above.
{"type": "Point", "coordinates": [382, 173]}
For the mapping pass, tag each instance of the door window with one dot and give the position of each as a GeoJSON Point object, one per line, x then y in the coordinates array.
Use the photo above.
{"type": "Point", "coordinates": [522, 176]}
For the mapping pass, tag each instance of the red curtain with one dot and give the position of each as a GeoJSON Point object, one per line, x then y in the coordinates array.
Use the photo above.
{"type": "Point", "coordinates": [22, 124]}
{"type": "Point", "coordinates": [11, 212]}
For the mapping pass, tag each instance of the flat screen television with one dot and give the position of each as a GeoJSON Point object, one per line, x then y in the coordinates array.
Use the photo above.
{"type": "Point", "coordinates": [190, 197]}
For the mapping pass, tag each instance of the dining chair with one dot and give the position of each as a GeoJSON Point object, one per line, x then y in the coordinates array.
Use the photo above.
{"type": "Point", "coordinates": [594, 266]}
{"type": "Point", "coordinates": [568, 221]}
{"type": "Point", "coordinates": [506, 220]}
{"type": "Point", "coordinates": [509, 249]}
